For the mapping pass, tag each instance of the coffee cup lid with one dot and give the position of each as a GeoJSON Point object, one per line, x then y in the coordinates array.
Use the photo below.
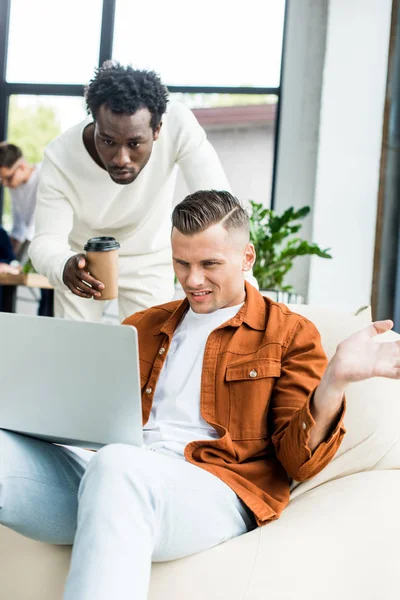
{"type": "Point", "coordinates": [101, 244]}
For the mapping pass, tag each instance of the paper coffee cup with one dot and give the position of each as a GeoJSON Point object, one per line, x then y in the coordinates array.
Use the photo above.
{"type": "Point", "coordinates": [102, 259]}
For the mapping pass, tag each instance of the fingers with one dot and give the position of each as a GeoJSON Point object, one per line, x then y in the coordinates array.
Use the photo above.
{"type": "Point", "coordinates": [80, 261]}
{"type": "Point", "coordinates": [84, 285]}
{"type": "Point", "coordinates": [5, 268]}
{"type": "Point", "coordinates": [391, 373]}
{"type": "Point", "coordinates": [84, 277]}
{"type": "Point", "coordinates": [79, 281]}
{"type": "Point", "coordinates": [382, 326]}
{"type": "Point", "coordinates": [375, 328]}
{"type": "Point", "coordinates": [79, 293]}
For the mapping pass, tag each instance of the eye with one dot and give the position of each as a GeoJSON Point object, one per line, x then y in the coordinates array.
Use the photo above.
{"type": "Point", "coordinates": [209, 263]}
{"type": "Point", "coordinates": [108, 142]}
{"type": "Point", "coordinates": [134, 144]}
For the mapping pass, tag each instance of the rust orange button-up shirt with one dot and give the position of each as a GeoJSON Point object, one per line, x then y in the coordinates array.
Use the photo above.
{"type": "Point", "coordinates": [260, 370]}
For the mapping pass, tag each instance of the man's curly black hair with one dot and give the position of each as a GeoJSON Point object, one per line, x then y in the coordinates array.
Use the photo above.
{"type": "Point", "coordinates": [125, 90]}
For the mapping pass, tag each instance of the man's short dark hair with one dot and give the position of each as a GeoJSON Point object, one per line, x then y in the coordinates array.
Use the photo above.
{"type": "Point", "coordinates": [204, 208]}
{"type": "Point", "coordinates": [9, 154]}
{"type": "Point", "coordinates": [125, 90]}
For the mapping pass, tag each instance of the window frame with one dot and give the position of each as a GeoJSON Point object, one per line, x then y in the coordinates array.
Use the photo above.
{"type": "Point", "coordinates": [105, 52]}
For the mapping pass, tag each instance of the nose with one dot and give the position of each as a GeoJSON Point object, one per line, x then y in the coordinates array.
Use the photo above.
{"type": "Point", "coordinates": [122, 158]}
{"type": "Point", "coordinates": [195, 279]}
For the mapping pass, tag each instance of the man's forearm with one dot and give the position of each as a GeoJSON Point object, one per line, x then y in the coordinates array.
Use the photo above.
{"type": "Point", "coordinates": [325, 406]}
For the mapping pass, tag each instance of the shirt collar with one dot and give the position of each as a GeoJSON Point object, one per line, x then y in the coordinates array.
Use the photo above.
{"type": "Point", "coordinates": [253, 313]}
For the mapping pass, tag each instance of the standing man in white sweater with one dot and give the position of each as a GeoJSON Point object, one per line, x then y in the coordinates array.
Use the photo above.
{"type": "Point", "coordinates": [114, 174]}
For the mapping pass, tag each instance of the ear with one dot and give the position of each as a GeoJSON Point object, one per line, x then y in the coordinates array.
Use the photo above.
{"type": "Point", "coordinates": [157, 131]}
{"type": "Point", "coordinates": [249, 257]}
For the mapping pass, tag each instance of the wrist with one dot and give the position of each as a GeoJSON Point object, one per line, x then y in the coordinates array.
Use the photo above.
{"type": "Point", "coordinates": [334, 377]}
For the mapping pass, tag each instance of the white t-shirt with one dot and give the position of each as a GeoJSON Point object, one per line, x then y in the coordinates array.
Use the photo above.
{"type": "Point", "coordinates": [23, 203]}
{"type": "Point", "coordinates": [175, 418]}
{"type": "Point", "coordinates": [78, 200]}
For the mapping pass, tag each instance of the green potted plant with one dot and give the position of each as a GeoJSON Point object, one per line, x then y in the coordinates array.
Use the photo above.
{"type": "Point", "coordinates": [277, 246]}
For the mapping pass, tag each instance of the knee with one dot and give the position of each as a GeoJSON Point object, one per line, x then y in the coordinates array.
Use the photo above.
{"type": "Point", "coordinates": [114, 462]}
{"type": "Point", "coordinates": [10, 443]}
{"type": "Point", "coordinates": [111, 459]}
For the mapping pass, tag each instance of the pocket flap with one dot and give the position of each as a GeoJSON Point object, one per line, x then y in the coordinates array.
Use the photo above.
{"type": "Point", "coordinates": [254, 369]}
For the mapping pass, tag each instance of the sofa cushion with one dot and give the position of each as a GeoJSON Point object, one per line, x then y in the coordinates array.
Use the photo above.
{"type": "Point", "coordinates": [372, 419]}
{"type": "Point", "coordinates": [337, 541]}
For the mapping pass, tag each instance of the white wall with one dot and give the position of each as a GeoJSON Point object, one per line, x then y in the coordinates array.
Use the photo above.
{"type": "Point", "coordinates": [246, 153]}
{"type": "Point", "coordinates": [304, 55]}
{"type": "Point", "coordinates": [350, 139]}
{"type": "Point", "coordinates": [331, 135]}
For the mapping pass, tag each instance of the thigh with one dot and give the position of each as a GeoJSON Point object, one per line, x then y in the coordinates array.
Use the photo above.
{"type": "Point", "coordinates": [189, 509]}
{"type": "Point", "coordinates": [200, 511]}
{"type": "Point", "coordinates": [71, 307]}
{"type": "Point", "coordinates": [39, 483]}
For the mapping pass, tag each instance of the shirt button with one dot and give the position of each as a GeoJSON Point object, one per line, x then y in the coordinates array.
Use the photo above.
{"type": "Point", "coordinates": [161, 351]}
{"type": "Point", "coordinates": [149, 391]}
{"type": "Point", "coordinates": [304, 426]}
{"type": "Point", "coordinates": [253, 373]}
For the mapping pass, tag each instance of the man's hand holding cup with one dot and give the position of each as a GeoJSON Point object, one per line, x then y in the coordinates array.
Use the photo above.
{"type": "Point", "coordinates": [94, 275]}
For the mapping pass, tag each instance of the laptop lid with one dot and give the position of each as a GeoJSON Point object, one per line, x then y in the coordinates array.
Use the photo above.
{"type": "Point", "coordinates": [70, 382]}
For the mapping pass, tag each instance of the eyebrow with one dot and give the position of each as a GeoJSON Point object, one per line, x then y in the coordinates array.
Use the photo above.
{"type": "Point", "coordinates": [135, 138]}
{"type": "Point", "coordinates": [219, 260]}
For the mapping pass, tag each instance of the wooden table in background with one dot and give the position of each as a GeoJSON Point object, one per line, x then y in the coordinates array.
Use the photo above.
{"type": "Point", "coordinates": [10, 283]}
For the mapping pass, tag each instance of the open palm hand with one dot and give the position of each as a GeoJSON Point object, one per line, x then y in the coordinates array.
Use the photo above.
{"type": "Point", "coordinates": [360, 357]}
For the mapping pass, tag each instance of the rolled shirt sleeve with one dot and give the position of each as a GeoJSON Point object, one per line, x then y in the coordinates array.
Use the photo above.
{"type": "Point", "coordinates": [303, 365]}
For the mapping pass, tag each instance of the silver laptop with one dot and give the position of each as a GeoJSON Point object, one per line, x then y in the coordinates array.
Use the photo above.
{"type": "Point", "coordinates": [70, 382]}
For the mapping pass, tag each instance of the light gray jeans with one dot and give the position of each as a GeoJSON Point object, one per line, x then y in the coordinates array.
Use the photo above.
{"type": "Point", "coordinates": [121, 508]}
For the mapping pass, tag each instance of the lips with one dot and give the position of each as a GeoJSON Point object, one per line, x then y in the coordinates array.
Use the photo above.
{"type": "Point", "coordinates": [199, 295]}
{"type": "Point", "coordinates": [121, 174]}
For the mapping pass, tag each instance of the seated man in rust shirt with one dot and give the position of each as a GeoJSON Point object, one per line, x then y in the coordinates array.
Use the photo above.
{"type": "Point", "coordinates": [237, 400]}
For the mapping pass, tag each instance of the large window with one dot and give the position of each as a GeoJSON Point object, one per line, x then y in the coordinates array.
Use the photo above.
{"type": "Point", "coordinates": [53, 42]}
{"type": "Point", "coordinates": [223, 43]}
{"type": "Point", "coordinates": [219, 46]}
{"type": "Point", "coordinates": [223, 59]}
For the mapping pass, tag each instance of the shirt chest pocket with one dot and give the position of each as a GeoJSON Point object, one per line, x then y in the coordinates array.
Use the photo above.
{"type": "Point", "coordinates": [250, 387]}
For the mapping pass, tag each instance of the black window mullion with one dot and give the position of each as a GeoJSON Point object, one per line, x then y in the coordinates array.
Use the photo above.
{"type": "Point", "coordinates": [107, 31]}
{"type": "Point", "coordinates": [222, 90]}
{"type": "Point", "coordinates": [4, 28]}
{"type": "Point", "coordinates": [278, 109]}
{"type": "Point", "coordinates": [44, 89]}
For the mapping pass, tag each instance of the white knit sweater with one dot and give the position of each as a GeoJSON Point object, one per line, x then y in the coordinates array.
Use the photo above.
{"type": "Point", "coordinates": [77, 199]}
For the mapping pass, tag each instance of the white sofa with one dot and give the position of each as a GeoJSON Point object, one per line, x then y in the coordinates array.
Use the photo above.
{"type": "Point", "coordinates": [338, 538]}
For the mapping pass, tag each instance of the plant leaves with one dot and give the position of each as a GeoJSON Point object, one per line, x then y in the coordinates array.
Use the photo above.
{"type": "Point", "coordinates": [276, 248]}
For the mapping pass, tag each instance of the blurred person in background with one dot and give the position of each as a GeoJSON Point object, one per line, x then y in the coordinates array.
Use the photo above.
{"type": "Point", "coordinates": [22, 179]}
{"type": "Point", "coordinates": [7, 256]}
